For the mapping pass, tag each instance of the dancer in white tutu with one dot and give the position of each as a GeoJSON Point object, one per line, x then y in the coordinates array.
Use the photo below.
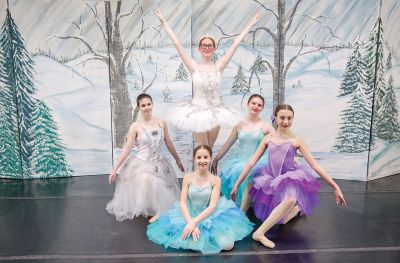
{"type": "Point", "coordinates": [146, 184]}
{"type": "Point", "coordinates": [205, 112]}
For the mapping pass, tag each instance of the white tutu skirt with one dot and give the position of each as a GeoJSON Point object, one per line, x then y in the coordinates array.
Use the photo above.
{"type": "Point", "coordinates": [144, 188]}
{"type": "Point", "coordinates": [197, 117]}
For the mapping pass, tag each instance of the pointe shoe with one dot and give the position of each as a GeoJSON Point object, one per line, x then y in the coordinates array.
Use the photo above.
{"type": "Point", "coordinates": [154, 218]}
{"type": "Point", "coordinates": [295, 211]}
{"type": "Point", "coordinates": [263, 240]}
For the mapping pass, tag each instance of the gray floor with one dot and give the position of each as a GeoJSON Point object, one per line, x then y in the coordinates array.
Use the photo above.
{"type": "Point", "coordinates": [64, 220]}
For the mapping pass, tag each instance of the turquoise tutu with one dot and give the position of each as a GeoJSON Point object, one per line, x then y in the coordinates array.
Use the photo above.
{"type": "Point", "coordinates": [231, 169]}
{"type": "Point", "coordinates": [230, 174]}
{"type": "Point", "coordinates": [220, 230]}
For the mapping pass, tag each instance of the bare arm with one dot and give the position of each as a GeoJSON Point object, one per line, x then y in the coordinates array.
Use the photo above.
{"type": "Point", "coordinates": [131, 138]}
{"type": "Point", "coordinates": [224, 60]}
{"type": "Point", "coordinates": [224, 149]}
{"type": "Point", "coordinates": [268, 129]}
{"type": "Point", "coordinates": [320, 171]}
{"type": "Point", "coordinates": [171, 148]}
{"type": "Point", "coordinates": [184, 198]}
{"type": "Point", "coordinates": [250, 164]}
{"type": "Point", "coordinates": [187, 60]}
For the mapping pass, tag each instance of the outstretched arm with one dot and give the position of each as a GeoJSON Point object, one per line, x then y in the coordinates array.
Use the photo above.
{"type": "Point", "coordinates": [249, 165]}
{"type": "Point", "coordinates": [171, 148]}
{"type": "Point", "coordinates": [187, 60]}
{"type": "Point", "coordinates": [131, 137]}
{"type": "Point", "coordinates": [321, 172]}
{"type": "Point", "coordinates": [190, 228]}
{"type": "Point", "coordinates": [224, 149]}
{"type": "Point", "coordinates": [224, 60]}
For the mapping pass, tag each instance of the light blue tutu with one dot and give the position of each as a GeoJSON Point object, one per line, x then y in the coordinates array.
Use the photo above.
{"type": "Point", "coordinates": [231, 169]}
{"type": "Point", "coordinates": [218, 231]}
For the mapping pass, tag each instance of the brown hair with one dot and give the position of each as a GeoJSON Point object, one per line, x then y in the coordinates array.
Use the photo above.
{"type": "Point", "coordinates": [256, 96]}
{"type": "Point", "coordinates": [212, 39]}
{"type": "Point", "coordinates": [202, 147]}
{"type": "Point", "coordinates": [143, 96]}
{"type": "Point", "coordinates": [283, 107]}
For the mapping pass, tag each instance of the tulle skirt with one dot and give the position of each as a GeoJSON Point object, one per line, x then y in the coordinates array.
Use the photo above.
{"type": "Point", "coordinates": [268, 191]}
{"type": "Point", "coordinates": [220, 230]}
{"type": "Point", "coordinates": [197, 117]}
{"type": "Point", "coordinates": [230, 173]}
{"type": "Point", "coordinates": [145, 188]}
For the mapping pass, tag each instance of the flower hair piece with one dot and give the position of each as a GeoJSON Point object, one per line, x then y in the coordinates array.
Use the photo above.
{"type": "Point", "coordinates": [273, 118]}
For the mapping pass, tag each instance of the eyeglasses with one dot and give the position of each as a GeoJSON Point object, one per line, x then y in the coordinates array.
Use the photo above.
{"type": "Point", "coordinates": [206, 46]}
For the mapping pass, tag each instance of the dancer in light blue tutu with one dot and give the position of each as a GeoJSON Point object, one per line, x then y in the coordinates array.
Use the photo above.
{"type": "Point", "coordinates": [202, 220]}
{"type": "Point", "coordinates": [282, 187]}
{"type": "Point", "coordinates": [249, 132]}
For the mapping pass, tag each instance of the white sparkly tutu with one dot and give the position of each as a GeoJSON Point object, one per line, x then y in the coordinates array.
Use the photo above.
{"type": "Point", "coordinates": [144, 188]}
{"type": "Point", "coordinates": [147, 183]}
{"type": "Point", "coordinates": [206, 109]}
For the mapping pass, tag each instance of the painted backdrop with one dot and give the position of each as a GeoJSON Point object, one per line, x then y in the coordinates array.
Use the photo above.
{"type": "Point", "coordinates": [70, 72]}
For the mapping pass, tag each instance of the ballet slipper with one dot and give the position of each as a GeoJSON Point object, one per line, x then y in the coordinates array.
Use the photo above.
{"type": "Point", "coordinates": [263, 240]}
{"type": "Point", "coordinates": [154, 218]}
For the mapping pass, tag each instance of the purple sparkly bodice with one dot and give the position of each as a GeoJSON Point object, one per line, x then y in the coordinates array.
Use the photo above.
{"type": "Point", "coordinates": [281, 158]}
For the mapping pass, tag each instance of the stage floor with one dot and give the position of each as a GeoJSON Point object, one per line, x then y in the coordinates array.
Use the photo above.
{"type": "Point", "coordinates": [64, 220]}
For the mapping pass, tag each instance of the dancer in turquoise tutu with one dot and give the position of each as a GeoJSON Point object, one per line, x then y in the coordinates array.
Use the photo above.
{"type": "Point", "coordinates": [282, 187]}
{"type": "Point", "coordinates": [202, 220]}
{"type": "Point", "coordinates": [249, 132]}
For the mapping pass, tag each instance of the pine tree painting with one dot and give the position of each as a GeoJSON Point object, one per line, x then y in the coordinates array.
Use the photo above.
{"type": "Point", "coordinates": [239, 84]}
{"type": "Point", "coordinates": [354, 72]}
{"type": "Point", "coordinates": [354, 133]}
{"type": "Point", "coordinates": [258, 66]}
{"type": "Point", "coordinates": [48, 157]}
{"type": "Point", "coordinates": [22, 115]}
{"type": "Point", "coordinates": [181, 73]}
{"type": "Point", "coordinates": [386, 119]}
{"type": "Point", "coordinates": [18, 69]}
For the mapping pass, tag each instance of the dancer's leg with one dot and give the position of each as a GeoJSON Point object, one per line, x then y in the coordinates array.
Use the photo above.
{"type": "Point", "coordinates": [154, 218]}
{"type": "Point", "coordinates": [212, 136]}
{"type": "Point", "coordinates": [200, 138]}
{"type": "Point", "coordinates": [277, 214]}
{"type": "Point", "coordinates": [244, 206]}
{"type": "Point", "coordinates": [292, 213]}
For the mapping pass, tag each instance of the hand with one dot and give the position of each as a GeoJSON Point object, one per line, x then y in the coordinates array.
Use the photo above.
{"type": "Point", "coordinates": [180, 166]}
{"type": "Point", "coordinates": [157, 12]}
{"type": "Point", "coordinates": [187, 231]}
{"type": "Point", "coordinates": [234, 193]}
{"type": "Point", "coordinates": [196, 234]}
{"type": "Point", "coordinates": [256, 18]}
{"type": "Point", "coordinates": [339, 197]}
{"type": "Point", "coordinates": [214, 167]}
{"type": "Point", "coordinates": [112, 176]}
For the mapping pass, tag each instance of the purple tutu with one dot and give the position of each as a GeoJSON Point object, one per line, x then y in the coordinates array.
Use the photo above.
{"type": "Point", "coordinates": [281, 178]}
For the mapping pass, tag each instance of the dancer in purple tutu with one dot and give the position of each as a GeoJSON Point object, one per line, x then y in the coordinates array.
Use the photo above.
{"type": "Point", "coordinates": [282, 188]}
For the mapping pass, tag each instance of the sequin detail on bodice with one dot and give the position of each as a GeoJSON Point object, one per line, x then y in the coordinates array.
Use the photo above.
{"type": "Point", "coordinates": [149, 143]}
{"type": "Point", "coordinates": [206, 88]}
{"type": "Point", "coordinates": [199, 198]}
{"type": "Point", "coordinates": [248, 143]}
{"type": "Point", "coordinates": [281, 158]}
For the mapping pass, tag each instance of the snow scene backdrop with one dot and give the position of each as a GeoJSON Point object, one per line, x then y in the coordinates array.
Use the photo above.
{"type": "Point", "coordinates": [65, 65]}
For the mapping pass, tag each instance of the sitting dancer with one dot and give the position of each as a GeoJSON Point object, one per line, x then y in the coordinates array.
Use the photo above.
{"type": "Point", "coordinates": [205, 112]}
{"type": "Point", "coordinates": [202, 220]}
{"type": "Point", "coordinates": [250, 132]}
{"type": "Point", "coordinates": [147, 184]}
{"type": "Point", "coordinates": [283, 188]}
